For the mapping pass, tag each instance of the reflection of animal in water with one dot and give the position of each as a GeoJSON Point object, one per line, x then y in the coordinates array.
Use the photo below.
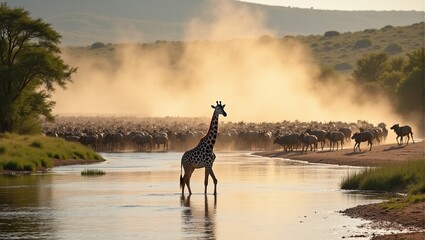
{"type": "Point", "coordinates": [362, 137]}
{"type": "Point", "coordinates": [202, 155]}
{"type": "Point", "coordinates": [198, 221]}
{"type": "Point", "coordinates": [401, 132]}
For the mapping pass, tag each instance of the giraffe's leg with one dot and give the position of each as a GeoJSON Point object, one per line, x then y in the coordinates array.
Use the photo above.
{"type": "Point", "coordinates": [206, 180]}
{"type": "Point", "coordinates": [183, 182]}
{"type": "Point", "coordinates": [187, 173]}
{"type": "Point", "coordinates": [187, 178]}
{"type": "Point", "coordinates": [211, 172]}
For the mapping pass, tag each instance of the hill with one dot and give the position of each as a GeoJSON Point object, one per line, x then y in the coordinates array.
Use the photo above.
{"type": "Point", "coordinates": [84, 22]}
{"type": "Point", "coordinates": [339, 51]}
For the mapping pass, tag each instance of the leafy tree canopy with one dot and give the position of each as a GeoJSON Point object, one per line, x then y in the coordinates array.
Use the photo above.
{"type": "Point", "coordinates": [401, 78]}
{"type": "Point", "coordinates": [30, 68]}
{"type": "Point", "coordinates": [370, 67]}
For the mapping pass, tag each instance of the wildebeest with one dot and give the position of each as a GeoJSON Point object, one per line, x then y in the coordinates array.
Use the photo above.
{"type": "Point", "coordinates": [308, 141]}
{"type": "Point", "coordinates": [90, 140]}
{"type": "Point", "coordinates": [362, 137]}
{"type": "Point", "coordinates": [320, 134]}
{"type": "Point", "coordinates": [161, 139]}
{"type": "Point", "coordinates": [347, 133]}
{"type": "Point", "coordinates": [113, 141]}
{"type": "Point", "coordinates": [288, 141]}
{"type": "Point", "coordinates": [335, 138]}
{"type": "Point", "coordinates": [383, 126]}
{"type": "Point", "coordinates": [377, 134]}
{"type": "Point", "coordinates": [401, 132]}
{"type": "Point", "coordinates": [142, 140]}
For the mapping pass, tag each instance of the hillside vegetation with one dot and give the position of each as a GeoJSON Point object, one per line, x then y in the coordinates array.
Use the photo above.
{"type": "Point", "coordinates": [342, 50]}
{"type": "Point", "coordinates": [333, 49]}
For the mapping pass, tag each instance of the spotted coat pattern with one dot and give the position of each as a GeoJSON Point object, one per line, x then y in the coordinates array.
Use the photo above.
{"type": "Point", "coordinates": [202, 155]}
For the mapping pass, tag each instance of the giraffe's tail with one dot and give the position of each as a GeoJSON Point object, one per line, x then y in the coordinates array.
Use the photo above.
{"type": "Point", "coordinates": [181, 176]}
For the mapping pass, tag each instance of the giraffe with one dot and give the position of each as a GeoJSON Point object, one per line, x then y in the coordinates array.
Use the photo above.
{"type": "Point", "coordinates": [202, 156]}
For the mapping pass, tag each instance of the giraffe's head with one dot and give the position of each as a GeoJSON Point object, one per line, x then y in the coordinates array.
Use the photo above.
{"type": "Point", "coordinates": [219, 109]}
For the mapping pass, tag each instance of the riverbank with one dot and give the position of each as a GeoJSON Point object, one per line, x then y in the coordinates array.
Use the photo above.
{"type": "Point", "coordinates": [380, 155]}
{"type": "Point", "coordinates": [411, 217]}
{"type": "Point", "coordinates": [25, 154]}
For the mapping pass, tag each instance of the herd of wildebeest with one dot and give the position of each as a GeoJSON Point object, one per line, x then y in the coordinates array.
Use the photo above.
{"type": "Point", "coordinates": [118, 134]}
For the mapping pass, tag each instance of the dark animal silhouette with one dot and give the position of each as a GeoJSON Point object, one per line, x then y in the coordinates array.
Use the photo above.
{"type": "Point", "coordinates": [308, 141]}
{"type": "Point", "coordinates": [320, 134]}
{"type": "Point", "coordinates": [362, 137]}
{"type": "Point", "coordinates": [401, 132]}
{"type": "Point", "coordinates": [202, 156]}
{"type": "Point", "coordinates": [288, 141]}
{"type": "Point", "coordinates": [335, 138]}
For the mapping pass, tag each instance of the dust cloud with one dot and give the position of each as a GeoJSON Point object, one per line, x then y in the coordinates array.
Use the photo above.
{"type": "Point", "coordinates": [228, 57]}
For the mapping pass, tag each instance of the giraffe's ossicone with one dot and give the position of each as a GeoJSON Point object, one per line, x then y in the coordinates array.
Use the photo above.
{"type": "Point", "coordinates": [202, 156]}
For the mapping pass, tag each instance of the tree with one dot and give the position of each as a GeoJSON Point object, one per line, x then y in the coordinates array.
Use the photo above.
{"type": "Point", "coordinates": [371, 67]}
{"type": "Point", "coordinates": [30, 69]}
{"type": "Point", "coordinates": [410, 91]}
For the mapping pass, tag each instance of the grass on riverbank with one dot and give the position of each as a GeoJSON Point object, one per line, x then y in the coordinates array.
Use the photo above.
{"type": "Point", "coordinates": [30, 153]}
{"type": "Point", "coordinates": [407, 177]}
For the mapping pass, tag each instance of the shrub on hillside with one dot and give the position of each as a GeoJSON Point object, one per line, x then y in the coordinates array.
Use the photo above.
{"type": "Point", "coordinates": [362, 43]}
{"type": "Point", "coordinates": [331, 34]}
{"type": "Point", "coordinates": [393, 48]}
{"type": "Point", "coordinates": [97, 45]}
{"type": "Point", "coordinates": [387, 27]}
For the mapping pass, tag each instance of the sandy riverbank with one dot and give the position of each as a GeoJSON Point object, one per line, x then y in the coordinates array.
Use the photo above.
{"type": "Point", "coordinates": [410, 217]}
{"type": "Point", "coordinates": [380, 155]}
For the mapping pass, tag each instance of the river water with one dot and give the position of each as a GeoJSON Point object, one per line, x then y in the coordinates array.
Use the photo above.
{"type": "Point", "coordinates": [139, 198]}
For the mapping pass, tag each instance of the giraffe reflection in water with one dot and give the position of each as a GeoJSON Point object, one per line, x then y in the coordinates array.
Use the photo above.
{"type": "Point", "coordinates": [197, 221]}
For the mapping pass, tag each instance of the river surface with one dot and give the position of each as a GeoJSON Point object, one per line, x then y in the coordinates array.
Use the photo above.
{"type": "Point", "coordinates": [139, 198]}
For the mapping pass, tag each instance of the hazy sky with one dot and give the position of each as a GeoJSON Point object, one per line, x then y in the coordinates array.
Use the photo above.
{"type": "Point", "coordinates": [418, 5]}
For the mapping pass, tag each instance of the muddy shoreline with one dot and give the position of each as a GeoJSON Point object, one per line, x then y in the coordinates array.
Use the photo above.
{"type": "Point", "coordinates": [56, 163]}
{"type": "Point", "coordinates": [411, 218]}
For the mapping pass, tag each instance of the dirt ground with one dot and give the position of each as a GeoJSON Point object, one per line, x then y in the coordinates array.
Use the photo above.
{"type": "Point", "coordinates": [412, 217]}
{"type": "Point", "coordinates": [58, 162]}
{"type": "Point", "coordinates": [379, 155]}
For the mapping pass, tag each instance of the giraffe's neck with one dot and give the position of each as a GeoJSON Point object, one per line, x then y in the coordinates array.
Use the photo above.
{"type": "Point", "coordinates": [211, 135]}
